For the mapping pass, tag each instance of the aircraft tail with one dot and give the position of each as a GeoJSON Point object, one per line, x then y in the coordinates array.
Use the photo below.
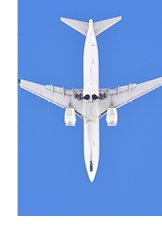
{"type": "Point", "coordinates": [99, 26]}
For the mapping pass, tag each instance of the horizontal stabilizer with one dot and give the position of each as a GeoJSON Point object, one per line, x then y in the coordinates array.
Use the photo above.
{"type": "Point", "coordinates": [79, 26]}
{"type": "Point", "coordinates": [101, 26]}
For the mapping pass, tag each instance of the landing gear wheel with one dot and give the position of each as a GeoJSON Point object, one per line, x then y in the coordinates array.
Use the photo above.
{"type": "Point", "coordinates": [91, 166]}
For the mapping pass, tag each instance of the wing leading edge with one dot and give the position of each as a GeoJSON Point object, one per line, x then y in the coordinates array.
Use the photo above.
{"type": "Point", "coordinates": [125, 94]}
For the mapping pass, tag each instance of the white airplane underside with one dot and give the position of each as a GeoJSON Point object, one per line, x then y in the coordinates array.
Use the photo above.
{"type": "Point", "coordinates": [91, 102]}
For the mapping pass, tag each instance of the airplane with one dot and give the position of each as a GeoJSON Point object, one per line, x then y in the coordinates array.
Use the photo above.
{"type": "Point", "coordinates": [91, 103]}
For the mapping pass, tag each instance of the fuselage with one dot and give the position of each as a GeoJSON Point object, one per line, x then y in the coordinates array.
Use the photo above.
{"type": "Point", "coordinates": [90, 103]}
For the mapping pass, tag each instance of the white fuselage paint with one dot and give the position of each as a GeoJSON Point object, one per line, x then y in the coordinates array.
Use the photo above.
{"type": "Point", "coordinates": [91, 107]}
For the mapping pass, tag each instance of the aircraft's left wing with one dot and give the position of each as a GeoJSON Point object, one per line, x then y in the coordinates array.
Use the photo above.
{"type": "Point", "coordinates": [125, 94]}
{"type": "Point", "coordinates": [56, 95]}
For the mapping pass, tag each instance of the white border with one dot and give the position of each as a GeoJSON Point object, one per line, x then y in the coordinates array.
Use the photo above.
{"type": "Point", "coordinates": [10, 222]}
{"type": "Point", "coordinates": [8, 109]}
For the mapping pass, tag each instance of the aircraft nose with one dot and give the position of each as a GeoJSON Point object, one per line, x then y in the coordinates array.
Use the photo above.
{"type": "Point", "coordinates": [91, 176]}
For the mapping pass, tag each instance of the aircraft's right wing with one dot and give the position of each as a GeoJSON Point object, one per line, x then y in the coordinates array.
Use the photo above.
{"type": "Point", "coordinates": [56, 95]}
{"type": "Point", "coordinates": [125, 94]}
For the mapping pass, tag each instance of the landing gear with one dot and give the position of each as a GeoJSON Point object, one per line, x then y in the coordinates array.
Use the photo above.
{"type": "Point", "coordinates": [78, 96]}
{"type": "Point", "coordinates": [94, 97]}
{"type": "Point", "coordinates": [86, 97]}
{"type": "Point", "coordinates": [103, 96]}
{"type": "Point", "coordinates": [91, 166]}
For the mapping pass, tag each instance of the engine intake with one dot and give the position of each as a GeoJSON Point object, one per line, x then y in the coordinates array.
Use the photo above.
{"type": "Point", "coordinates": [112, 117]}
{"type": "Point", "coordinates": [70, 117]}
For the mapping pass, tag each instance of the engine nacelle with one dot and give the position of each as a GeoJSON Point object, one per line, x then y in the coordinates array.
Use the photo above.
{"type": "Point", "coordinates": [112, 117]}
{"type": "Point", "coordinates": [70, 117]}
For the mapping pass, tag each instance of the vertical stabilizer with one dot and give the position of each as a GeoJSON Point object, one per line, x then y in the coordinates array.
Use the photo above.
{"type": "Point", "coordinates": [101, 26]}
{"type": "Point", "coordinates": [79, 26]}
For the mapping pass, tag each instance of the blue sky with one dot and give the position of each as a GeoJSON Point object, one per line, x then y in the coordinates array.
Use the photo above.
{"type": "Point", "coordinates": [52, 176]}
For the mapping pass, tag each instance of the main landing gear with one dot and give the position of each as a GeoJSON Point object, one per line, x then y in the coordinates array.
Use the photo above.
{"type": "Point", "coordinates": [87, 97]}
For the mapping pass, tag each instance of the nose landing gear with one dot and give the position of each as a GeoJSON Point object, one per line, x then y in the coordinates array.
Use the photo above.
{"type": "Point", "coordinates": [91, 166]}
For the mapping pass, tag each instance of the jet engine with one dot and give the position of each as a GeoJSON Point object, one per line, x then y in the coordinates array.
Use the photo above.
{"type": "Point", "coordinates": [112, 117]}
{"type": "Point", "coordinates": [70, 117]}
